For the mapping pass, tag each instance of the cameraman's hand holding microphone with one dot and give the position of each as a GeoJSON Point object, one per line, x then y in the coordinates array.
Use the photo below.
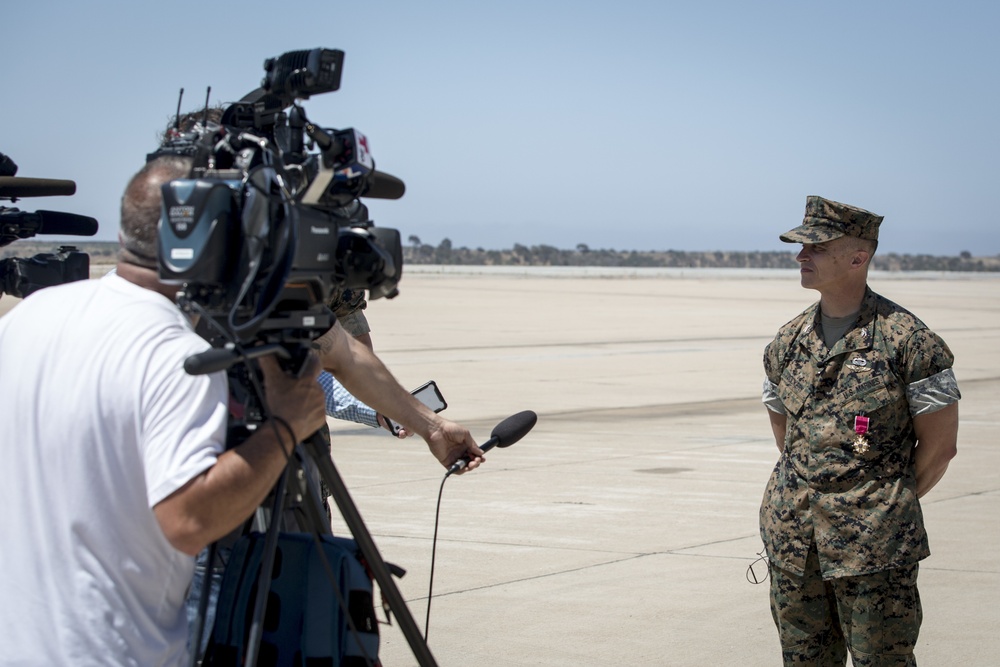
{"type": "Point", "coordinates": [447, 440]}
{"type": "Point", "coordinates": [366, 377]}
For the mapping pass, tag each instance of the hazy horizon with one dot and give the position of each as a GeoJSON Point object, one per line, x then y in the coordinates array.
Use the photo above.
{"type": "Point", "coordinates": [12, 249]}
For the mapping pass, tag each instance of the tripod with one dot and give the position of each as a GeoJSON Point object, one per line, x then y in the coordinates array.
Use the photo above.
{"type": "Point", "coordinates": [380, 570]}
{"type": "Point", "coordinates": [315, 451]}
{"type": "Point", "coordinates": [310, 463]}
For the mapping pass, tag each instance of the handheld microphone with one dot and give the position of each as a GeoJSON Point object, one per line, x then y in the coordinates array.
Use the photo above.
{"type": "Point", "coordinates": [504, 434]}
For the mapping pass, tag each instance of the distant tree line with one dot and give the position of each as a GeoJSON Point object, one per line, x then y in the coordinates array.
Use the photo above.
{"type": "Point", "coordinates": [416, 252]}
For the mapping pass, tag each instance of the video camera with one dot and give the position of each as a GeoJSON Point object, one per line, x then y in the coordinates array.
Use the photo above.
{"type": "Point", "coordinates": [19, 276]}
{"type": "Point", "coordinates": [269, 227]}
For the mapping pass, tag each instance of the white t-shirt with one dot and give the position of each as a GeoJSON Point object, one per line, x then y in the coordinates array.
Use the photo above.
{"type": "Point", "coordinates": [98, 423]}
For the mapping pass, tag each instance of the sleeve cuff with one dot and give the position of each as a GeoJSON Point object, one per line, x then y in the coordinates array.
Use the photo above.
{"type": "Point", "coordinates": [933, 393]}
{"type": "Point", "coordinates": [769, 397]}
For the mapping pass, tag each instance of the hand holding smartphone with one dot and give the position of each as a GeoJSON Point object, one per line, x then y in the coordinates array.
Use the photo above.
{"type": "Point", "coordinates": [428, 394]}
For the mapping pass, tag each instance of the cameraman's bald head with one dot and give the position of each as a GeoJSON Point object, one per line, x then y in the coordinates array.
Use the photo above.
{"type": "Point", "coordinates": [141, 206]}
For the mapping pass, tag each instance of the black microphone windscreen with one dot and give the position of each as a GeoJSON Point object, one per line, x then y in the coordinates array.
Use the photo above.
{"type": "Point", "coordinates": [66, 224]}
{"type": "Point", "coordinates": [514, 428]}
{"type": "Point", "coordinates": [384, 186]}
{"type": "Point", "coordinates": [15, 186]}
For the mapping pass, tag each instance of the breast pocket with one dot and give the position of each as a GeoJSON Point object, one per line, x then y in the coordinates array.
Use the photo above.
{"type": "Point", "coordinates": [875, 400]}
{"type": "Point", "coordinates": [863, 392]}
{"type": "Point", "coordinates": [880, 398]}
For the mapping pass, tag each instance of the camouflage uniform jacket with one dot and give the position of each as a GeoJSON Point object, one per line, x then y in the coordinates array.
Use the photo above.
{"type": "Point", "coordinates": [348, 305]}
{"type": "Point", "coordinates": [859, 507]}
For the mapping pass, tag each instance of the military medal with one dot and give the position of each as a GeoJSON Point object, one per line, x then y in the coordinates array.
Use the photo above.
{"type": "Point", "coordinates": [860, 441]}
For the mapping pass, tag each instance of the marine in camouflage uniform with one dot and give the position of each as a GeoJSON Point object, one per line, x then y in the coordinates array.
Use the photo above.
{"type": "Point", "coordinates": [840, 519]}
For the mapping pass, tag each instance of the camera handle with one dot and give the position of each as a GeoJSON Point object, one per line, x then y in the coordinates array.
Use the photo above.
{"type": "Point", "coordinates": [223, 358]}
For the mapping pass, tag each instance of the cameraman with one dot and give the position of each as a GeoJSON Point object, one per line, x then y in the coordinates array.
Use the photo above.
{"type": "Point", "coordinates": [133, 449]}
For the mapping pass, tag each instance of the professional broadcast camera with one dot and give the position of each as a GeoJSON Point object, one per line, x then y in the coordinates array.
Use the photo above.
{"type": "Point", "coordinates": [265, 232]}
{"type": "Point", "coordinates": [19, 276]}
{"type": "Point", "coordinates": [269, 226]}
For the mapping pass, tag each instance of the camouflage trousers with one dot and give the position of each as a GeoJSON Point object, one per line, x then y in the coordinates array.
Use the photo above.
{"type": "Point", "coordinates": [875, 617]}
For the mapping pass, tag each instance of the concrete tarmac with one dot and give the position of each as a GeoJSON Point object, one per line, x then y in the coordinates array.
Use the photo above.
{"type": "Point", "coordinates": [621, 529]}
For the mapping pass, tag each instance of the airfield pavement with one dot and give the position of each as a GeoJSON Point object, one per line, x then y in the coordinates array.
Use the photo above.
{"type": "Point", "coordinates": [619, 531]}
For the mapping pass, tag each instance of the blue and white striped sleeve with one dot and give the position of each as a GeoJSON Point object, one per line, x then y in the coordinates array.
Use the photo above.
{"type": "Point", "coordinates": [341, 404]}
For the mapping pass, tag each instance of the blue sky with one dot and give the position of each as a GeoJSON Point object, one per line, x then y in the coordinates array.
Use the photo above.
{"type": "Point", "coordinates": [627, 125]}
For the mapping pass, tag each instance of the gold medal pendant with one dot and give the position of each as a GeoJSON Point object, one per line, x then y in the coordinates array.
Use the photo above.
{"type": "Point", "coordinates": [861, 444]}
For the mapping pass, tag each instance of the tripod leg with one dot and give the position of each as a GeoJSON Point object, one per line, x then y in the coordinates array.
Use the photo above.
{"type": "Point", "coordinates": [205, 594]}
{"type": "Point", "coordinates": [266, 568]}
{"type": "Point", "coordinates": [307, 488]}
{"type": "Point", "coordinates": [366, 544]}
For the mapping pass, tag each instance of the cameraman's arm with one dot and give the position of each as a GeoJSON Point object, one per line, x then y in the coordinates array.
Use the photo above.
{"type": "Point", "coordinates": [367, 378]}
{"type": "Point", "coordinates": [219, 499]}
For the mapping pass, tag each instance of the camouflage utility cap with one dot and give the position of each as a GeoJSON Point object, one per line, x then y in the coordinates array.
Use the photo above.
{"type": "Point", "coordinates": [828, 220]}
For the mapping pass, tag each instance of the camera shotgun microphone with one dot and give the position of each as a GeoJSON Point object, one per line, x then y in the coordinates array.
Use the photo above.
{"type": "Point", "coordinates": [65, 224]}
{"type": "Point", "coordinates": [504, 434]}
{"type": "Point", "coordinates": [48, 222]}
{"type": "Point", "coordinates": [15, 186]}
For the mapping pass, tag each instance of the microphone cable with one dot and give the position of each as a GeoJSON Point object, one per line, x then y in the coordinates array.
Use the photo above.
{"type": "Point", "coordinates": [430, 585]}
{"type": "Point", "coordinates": [504, 434]}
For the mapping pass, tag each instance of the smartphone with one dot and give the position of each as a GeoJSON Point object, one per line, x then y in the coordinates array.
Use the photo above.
{"type": "Point", "coordinates": [428, 394]}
